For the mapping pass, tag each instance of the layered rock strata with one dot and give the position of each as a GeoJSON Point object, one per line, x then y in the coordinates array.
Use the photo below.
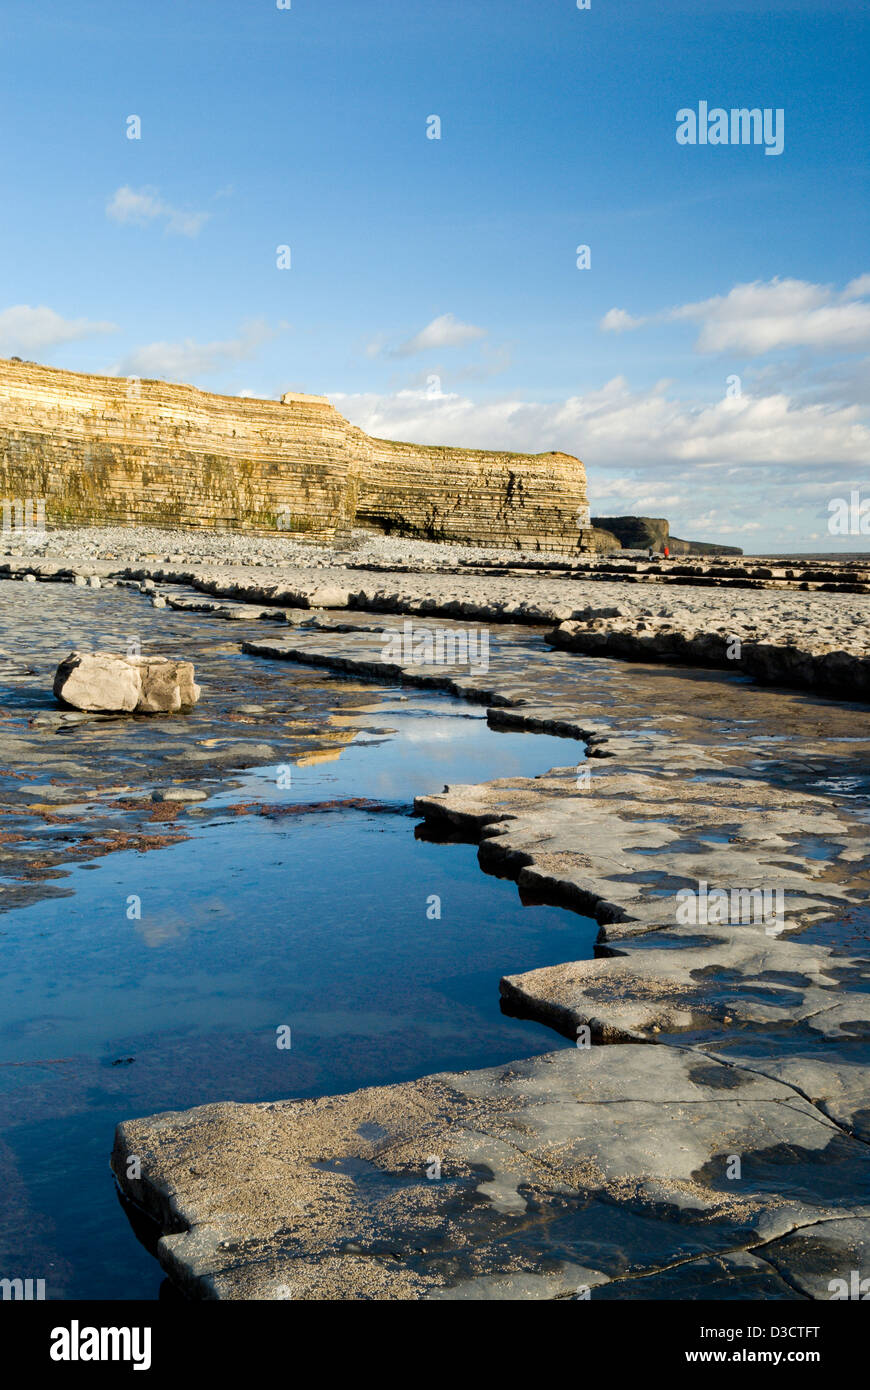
{"type": "Point", "coordinates": [110, 449]}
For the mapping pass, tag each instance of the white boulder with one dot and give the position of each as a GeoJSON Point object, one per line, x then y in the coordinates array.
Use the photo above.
{"type": "Point", "coordinates": [131, 684]}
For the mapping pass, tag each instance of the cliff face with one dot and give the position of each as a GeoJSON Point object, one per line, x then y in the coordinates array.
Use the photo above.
{"type": "Point", "coordinates": [644, 532]}
{"type": "Point", "coordinates": [635, 532]}
{"type": "Point", "coordinates": [679, 547]}
{"type": "Point", "coordinates": [105, 449]}
{"type": "Point", "coordinates": [471, 495]}
{"type": "Point", "coordinates": [108, 449]}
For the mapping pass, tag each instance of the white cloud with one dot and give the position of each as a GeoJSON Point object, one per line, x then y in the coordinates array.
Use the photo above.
{"type": "Point", "coordinates": [858, 288]}
{"type": "Point", "coordinates": [129, 207]}
{"type": "Point", "coordinates": [768, 315]}
{"type": "Point", "coordinates": [618, 321]}
{"type": "Point", "coordinates": [24, 329]}
{"type": "Point", "coordinates": [443, 332]}
{"type": "Point", "coordinates": [714, 470]}
{"type": "Point", "coordinates": [617, 426]}
{"type": "Point", "coordinates": [759, 318]}
{"type": "Point", "coordinates": [188, 359]}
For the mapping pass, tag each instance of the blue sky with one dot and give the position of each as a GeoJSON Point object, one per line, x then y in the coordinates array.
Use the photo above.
{"type": "Point", "coordinates": [434, 292]}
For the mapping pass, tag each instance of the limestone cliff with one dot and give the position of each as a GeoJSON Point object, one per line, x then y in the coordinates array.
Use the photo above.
{"type": "Point", "coordinates": [649, 532]}
{"type": "Point", "coordinates": [635, 532]}
{"type": "Point", "coordinates": [471, 495]}
{"type": "Point", "coordinates": [109, 449]}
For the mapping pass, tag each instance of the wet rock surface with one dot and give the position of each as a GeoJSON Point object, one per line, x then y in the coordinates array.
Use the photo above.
{"type": "Point", "coordinates": [799, 622]}
{"type": "Point", "coordinates": [78, 785]}
{"type": "Point", "coordinates": [712, 783]}
{"type": "Point", "coordinates": [720, 1150]}
{"type": "Point", "coordinates": [545, 1179]}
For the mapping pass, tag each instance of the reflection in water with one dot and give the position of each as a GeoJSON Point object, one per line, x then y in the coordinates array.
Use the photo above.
{"type": "Point", "coordinates": [320, 922]}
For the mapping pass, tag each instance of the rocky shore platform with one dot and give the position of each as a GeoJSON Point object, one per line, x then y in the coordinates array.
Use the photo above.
{"type": "Point", "coordinates": [797, 623]}
{"type": "Point", "coordinates": [709, 1134]}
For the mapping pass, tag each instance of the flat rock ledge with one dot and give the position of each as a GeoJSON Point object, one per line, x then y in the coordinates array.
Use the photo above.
{"type": "Point", "coordinates": [774, 660]}
{"type": "Point", "coordinates": [720, 1150]}
{"type": "Point", "coordinates": [812, 639]}
{"type": "Point", "coordinates": [125, 684]}
{"type": "Point", "coordinates": [476, 1185]}
{"type": "Point", "coordinates": [741, 984]}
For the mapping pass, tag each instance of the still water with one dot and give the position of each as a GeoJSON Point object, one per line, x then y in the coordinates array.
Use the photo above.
{"type": "Point", "coordinates": [379, 949]}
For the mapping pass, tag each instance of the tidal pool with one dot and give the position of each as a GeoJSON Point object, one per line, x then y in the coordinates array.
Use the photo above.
{"type": "Point", "coordinates": [165, 979]}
